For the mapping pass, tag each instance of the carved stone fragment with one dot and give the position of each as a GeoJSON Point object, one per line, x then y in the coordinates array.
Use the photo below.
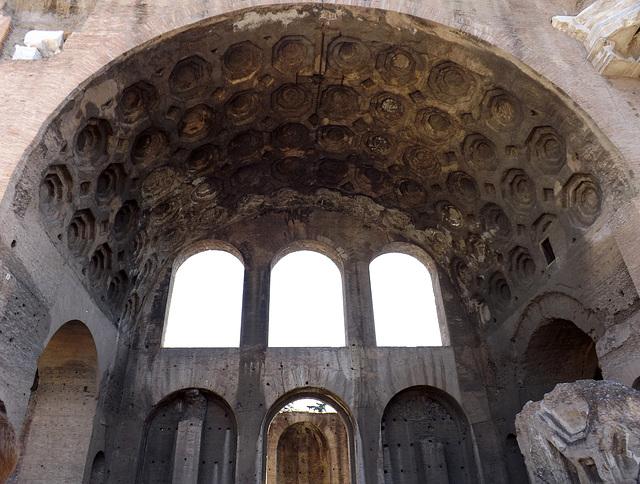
{"type": "Point", "coordinates": [587, 432]}
{"type": "Point", "coordinates": [609, 31]}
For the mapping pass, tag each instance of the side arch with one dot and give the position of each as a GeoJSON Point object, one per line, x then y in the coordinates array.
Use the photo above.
{"type": "Point", "coordinates": [60, 414]}
{"type": "Point", "coordinates": [553, 305]}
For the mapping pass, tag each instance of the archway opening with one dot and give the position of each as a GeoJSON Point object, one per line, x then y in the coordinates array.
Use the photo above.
{"type": "Point", "coordinates": [61, 409]}
{"type": "Point", "coordinates": [308, 443]}
{"type": "Point", "coordinates": [558, 352]}
{"type": "Point", "coordinates": [205, 308]}
{"type": "Point", "coordinates": [306, 304]}
{"type": "Point", "coordinates": [404, 302]}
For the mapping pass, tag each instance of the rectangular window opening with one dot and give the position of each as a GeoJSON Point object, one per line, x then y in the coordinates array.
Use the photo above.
{"type": "Point", "coordinates": [548, 251]}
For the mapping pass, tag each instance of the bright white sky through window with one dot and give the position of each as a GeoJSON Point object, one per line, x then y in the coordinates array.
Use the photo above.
{"type": "Point", "coordinates": [206, 302]}
{"type": "Point", "coordinates": [306, 307]}
{"type": "Point", "coordinates": [403, 302]}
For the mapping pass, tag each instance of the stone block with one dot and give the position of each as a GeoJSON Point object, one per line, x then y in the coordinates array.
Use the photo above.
{"type": "Point", "coordinates": [609, 31]}
{"type": "Point", "coordinates": [586, 432]}
{"type": "Point", "coordinates": [48, 42]}
{"type": "Point", "coordinates": [26, 53]}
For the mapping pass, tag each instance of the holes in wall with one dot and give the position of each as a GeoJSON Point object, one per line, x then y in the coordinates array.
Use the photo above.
{"type": "Point", "coordinates": [306, 306]}
{"type": "Point", "coordinates": [206, 302]}
{"type": "Point", "coordinates": [404, 303]}
{"type": "Point", "coordinates": [189, 437]}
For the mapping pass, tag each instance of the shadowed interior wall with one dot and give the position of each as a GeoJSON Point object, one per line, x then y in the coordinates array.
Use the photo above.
{"type": "Point", "coordinates": [217, 440]}
{"type": "Point", "coordinates": [61, 409]}
{"type": "Point", "coordinates": [425, 440]}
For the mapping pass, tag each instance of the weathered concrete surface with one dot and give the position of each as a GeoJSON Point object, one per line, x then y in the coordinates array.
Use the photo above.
{"type": "Point", "coordinates": [587, 432]}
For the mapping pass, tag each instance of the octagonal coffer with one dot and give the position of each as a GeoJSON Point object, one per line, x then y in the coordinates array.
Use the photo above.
{"type": "Point", "coordinates": [81, 231]}
{"type": "Point", "coordinates": [241, 61]}
{"type": "Point", "coordinates": [189, 77]}
{"type": "Point", "coordinates": [137, 100]}
{"type": "Point", "coordinates": [56, 190]}
{"type": "Point", "coordinates": [92, 140]}
{"type": "Point", "coordinates": [293, 54]}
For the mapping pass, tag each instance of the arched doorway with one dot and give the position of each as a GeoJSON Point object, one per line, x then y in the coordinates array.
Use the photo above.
{"type": "Point", "coordinates": [309, 440]}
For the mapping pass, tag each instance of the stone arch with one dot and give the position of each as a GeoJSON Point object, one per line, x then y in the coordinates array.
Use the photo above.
{"type": "Point", "coordinates": [325, 247]}
{"type": "Point", "coordinates": [190, 436]}
{"type": "Point", "coordinates": [59, 421]}
{"type": "Point", "coordinates": [471, 148]}
{"type": "Point", "coordinates": [553, 305]}
{"type": "Point", "coordinates": [427, 437]}
{"type": "Point", "coordinates": [341, 432]}
{"type": "Point", "coordinates": [405, 206]}
{"type": "Point", "coordinates": [98, 469]}
{"type": "Point", "coordinates": [558, 352]}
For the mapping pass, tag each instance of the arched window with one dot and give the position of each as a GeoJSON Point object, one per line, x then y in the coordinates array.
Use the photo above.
{"type": "Point", "coordinates": [205, 307]}
{"type": "Point", "coordinates": [306, 301]}
{"type": "Point", "coordinates": [404, 304]}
